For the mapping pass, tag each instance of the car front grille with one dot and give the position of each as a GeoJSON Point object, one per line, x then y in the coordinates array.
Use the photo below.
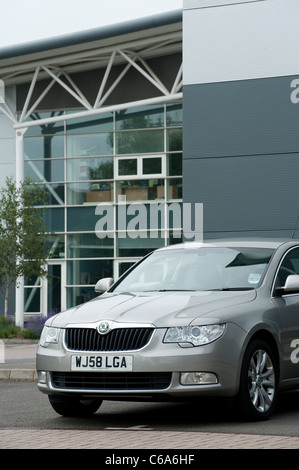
{"type": "Point", "coordinates": [120, 339]}
{"type": "Point", "coordinates": [111, 381]}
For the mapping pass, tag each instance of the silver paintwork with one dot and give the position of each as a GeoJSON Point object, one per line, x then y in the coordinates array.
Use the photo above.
{"type": "Point", "coordinates": [250, 313]}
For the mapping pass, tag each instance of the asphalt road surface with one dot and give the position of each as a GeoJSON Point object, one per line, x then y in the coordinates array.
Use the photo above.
{"type": "Point", "coordinates": [23, 406]}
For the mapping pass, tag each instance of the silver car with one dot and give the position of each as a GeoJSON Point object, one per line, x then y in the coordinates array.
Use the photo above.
{"type": "Point", "coordinates": [217, 319]}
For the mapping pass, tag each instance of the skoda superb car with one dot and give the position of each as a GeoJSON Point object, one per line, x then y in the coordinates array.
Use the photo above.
{"type": "Point", "coordinates": [187, 321]}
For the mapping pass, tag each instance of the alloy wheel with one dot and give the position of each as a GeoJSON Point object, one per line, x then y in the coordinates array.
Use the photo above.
{"type": "Point", "coordinates": [261, 381]}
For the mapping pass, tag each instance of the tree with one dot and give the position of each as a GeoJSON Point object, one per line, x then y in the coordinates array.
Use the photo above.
{"type": "Point", "coordinates": [23, 238]}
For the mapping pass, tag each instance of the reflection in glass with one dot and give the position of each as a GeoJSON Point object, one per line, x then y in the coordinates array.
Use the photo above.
{"type": "Point", "coordinates": [44, 147]}
{"type": "Point", "coordinates": [79, 295]}
{"type": "Point", "coordinates": [89, 144]}
{"type": "Point", "coordinates": [89, 168]}
{"type": "Point", "coordinates": [140, 118]}
{"type": "Point", "coordinates": [44, 170]}
{"type": "Point", "coordinates": [173, 139]}
{"type": "Point", "coordinates": [104, 122]}
{"type": "Point", "coordinates": [174, 115]}
{"type": "Point", "coordinates": [131, 246]}
{"type": "Point", "coordinates": [53, 128]}
{"type": "Point", "coordinates": [32, 299]}
{"type": "Point", "coordinates": [54, 194]}
{"type": "Point", "coordinates": [88, 245]}
{"type": "Point", "coordinates": [149, 141]}
{"type": "Point", "coordinates": [56, 246]}
{"type": "Point", "coordinates": [88, 272]}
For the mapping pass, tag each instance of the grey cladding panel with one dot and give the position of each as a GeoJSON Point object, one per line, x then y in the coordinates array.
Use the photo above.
{"type": "Point", "coordinates": [245, 194]}
{"type": "Point", "coordinates": [240, 118]}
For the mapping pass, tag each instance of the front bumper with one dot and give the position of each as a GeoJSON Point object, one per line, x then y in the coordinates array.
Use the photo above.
{"type": "Point", "coordinates": [164, 362]}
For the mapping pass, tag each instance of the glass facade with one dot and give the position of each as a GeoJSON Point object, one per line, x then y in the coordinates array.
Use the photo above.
{"type": "Point", "coordinates": [99, 173]}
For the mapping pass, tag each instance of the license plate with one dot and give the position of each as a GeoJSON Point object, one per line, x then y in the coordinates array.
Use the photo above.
{"type": "Point", "coordinates": [96, 362]}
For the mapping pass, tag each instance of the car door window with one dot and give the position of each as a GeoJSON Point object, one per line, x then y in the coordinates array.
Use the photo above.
{"type": "Point", "coordinates": [289, 265]}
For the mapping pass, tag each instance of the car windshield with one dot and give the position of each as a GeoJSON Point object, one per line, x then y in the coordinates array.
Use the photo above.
{"type": "Point", "coordinates": [201, 269]}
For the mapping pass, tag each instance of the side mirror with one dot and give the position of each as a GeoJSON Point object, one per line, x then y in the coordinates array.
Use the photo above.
{"type": "Point", "coordinates": [291, 285]}
{"type": "Point", "coordinates": [104, 284]}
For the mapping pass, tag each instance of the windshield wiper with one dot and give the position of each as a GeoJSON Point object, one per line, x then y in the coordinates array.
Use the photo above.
{"type": "Point", "coordinates": [170, 290]}
{"type": "Point", "coordinates": [176, 290]}
{"type": "Point", "coordinates": [231, 289]}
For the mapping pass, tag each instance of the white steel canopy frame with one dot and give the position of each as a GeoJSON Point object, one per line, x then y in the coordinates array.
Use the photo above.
{"type": "Point", "coordinates": [132, 54]}
{"type": "Point", "coordinates": [58, 66]}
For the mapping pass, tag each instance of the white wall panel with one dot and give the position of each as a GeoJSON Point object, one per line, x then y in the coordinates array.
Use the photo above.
{"type": "Point", "coordinates": [239, 41]}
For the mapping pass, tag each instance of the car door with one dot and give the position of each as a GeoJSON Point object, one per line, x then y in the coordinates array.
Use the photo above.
{"type": "Point", "coordinates": [288, 305]}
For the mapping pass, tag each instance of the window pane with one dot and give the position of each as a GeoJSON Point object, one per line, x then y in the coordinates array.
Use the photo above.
{"type": "Point", "coordinates": [89, 145]}
{"type": "Point", "coordinates": [174, 115]}
{"type": "Point", "coordinates": [174, 139]}
{"type": "Point", "coordinates": [81, 219]}
{"type": "Point", "coordinates": [151, 166]}
{"type": "Point", "coordinates": [89, 168]}
{"type": "Point", "coordinates": [140, 118]}
{"type": "Point", "coordinates": [54, 219]}
{"type": "Point", "coordinates": [139, 141]}
{"type": "Point", "coordinates": [88, 245]}
{"type": "Point", "coordinates": [44, 170]}
{"type": "Point", "coordinates": [140, 190]}
{"type": "Point", "coordinates": [54, 194]}
{"type": "Point", "coordinates": [51, 128]}
{"type": "Point", "coordinates": [87, 272]}
{"type": "Point", "coordinates": [103, 122]}
{"type": "Point", "coordinates": [89, 193]}
{"type": "Point", "coordinates": [54, 289]}
{"type": "Point", "coordinates": [32, 300]}
{"type": "Point", "coordinates": [131, 247]}
{"type": "Point", "coordinates": [174, 188]}
{"type": "Point", "coordinates": [56, 246]}
{"type": "Point", "coordinates": [175, 164]}
{"type": "Point", "coordinates": [127, 166]}
{"type": "Point", "coordinates": [79, 295]}
{"type": "Point", "coordinates": [44, 147]}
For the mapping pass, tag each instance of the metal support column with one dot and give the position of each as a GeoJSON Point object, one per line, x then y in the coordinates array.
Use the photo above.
{"type": "Point", "coordinates": [19, 314]}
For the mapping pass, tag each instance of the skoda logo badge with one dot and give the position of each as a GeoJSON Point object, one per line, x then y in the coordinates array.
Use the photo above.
{"type": "Point", "coordinates": [103, 327]}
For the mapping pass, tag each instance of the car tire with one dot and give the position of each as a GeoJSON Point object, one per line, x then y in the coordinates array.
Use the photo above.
{"type": "Point", "coordinates": [258, 389]}
{"type": "Point", "coordinates": [75, 407]}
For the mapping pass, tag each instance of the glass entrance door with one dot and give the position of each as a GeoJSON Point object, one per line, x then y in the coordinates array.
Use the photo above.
{"type": "Point", "coordinates": [53, 288]}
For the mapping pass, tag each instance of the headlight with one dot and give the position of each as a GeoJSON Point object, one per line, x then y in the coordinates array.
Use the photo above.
{"type": "Point", "coordinates": [49, 335]}
{"type": "Point", "coordinates": [196, 335]}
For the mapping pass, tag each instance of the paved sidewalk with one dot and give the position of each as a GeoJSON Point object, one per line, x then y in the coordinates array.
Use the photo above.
{"type": "Point", "coordinates": [17, 359]}
{"type": "Point", "coordinates": [170, 440]}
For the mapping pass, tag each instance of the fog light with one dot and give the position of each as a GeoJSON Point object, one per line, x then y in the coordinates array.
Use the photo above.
{"type": "Point", "coordinates": [198, 378]}
{"type": "Point", "coordinates": [42, 376]}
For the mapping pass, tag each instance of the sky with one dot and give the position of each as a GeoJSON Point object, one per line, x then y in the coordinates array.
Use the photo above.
{"type": "Point", "coordinates": [25, 21]}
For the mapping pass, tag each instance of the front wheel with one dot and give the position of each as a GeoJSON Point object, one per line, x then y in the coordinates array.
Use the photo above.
{"type": "Point", "coordinates": [66, 406]}
{"type": "Point", "coordinates": [257, 394]}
